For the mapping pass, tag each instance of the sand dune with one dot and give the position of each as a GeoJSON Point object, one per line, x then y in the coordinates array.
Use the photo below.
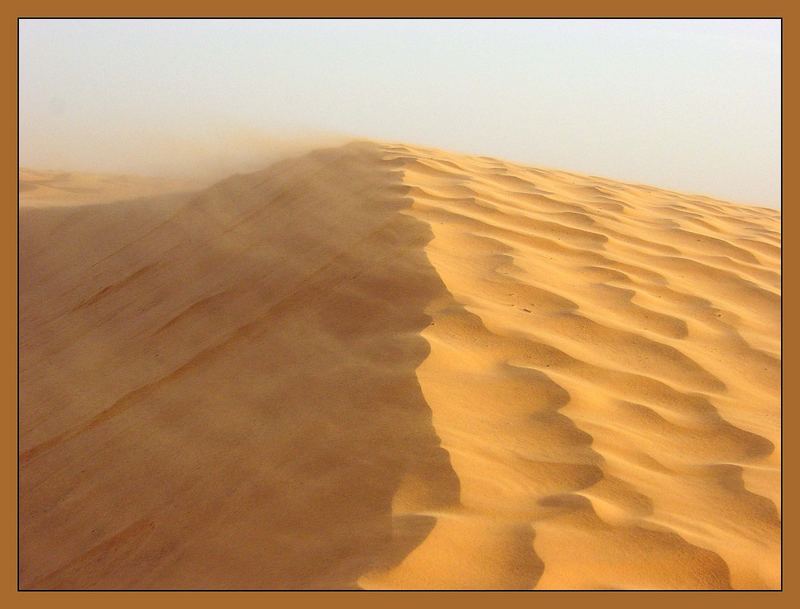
{"type": "Point", "coordinates": [385, 366]}
{"type": "Point", "coordinates": [64, 188]}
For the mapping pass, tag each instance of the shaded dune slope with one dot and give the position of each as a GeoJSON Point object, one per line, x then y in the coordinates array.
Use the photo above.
{"type": "Point", "coordinates": [386, 366]}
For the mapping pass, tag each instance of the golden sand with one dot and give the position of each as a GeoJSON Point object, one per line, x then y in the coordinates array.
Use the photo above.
{"type": "Point", "coordinates": [386, 366]}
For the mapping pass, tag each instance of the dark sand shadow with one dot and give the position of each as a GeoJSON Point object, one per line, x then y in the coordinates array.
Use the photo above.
{"type": "Point", "coordinates": [252, 432]}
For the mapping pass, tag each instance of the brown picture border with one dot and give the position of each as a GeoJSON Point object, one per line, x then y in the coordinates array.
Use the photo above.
{"type": "Point", "coordinates": [12, 11]}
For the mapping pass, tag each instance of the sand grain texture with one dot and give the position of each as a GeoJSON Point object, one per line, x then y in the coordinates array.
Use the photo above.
{"type": "Point", "coordinates": [385, 366]}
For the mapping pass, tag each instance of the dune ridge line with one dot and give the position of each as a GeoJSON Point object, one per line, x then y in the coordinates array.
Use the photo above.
{"type": "Point", "coordinates": [389, 366]}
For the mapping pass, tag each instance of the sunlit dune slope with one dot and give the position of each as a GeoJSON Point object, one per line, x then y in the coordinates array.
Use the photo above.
{"type": "Point", "coordinates": [384, 366]}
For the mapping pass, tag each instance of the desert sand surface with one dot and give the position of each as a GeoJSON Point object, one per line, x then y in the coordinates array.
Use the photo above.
{"type": "Point", "coordinates": [68, 188]}
{"type": "Point", "coordinates": [387, 366]}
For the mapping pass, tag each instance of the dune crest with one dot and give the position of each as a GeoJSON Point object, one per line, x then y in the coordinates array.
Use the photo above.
{"type": "Point", "coordinates": [387, 366]}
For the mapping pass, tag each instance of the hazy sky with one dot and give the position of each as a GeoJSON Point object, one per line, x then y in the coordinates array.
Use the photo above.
{"type": "Point", "coordinates": [687, 104]}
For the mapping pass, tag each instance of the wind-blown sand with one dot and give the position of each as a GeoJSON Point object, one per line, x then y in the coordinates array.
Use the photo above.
{"type": "Point", "coordinates": [65, 188]}
{"type": "Point", "coordinates": [385, 366]}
